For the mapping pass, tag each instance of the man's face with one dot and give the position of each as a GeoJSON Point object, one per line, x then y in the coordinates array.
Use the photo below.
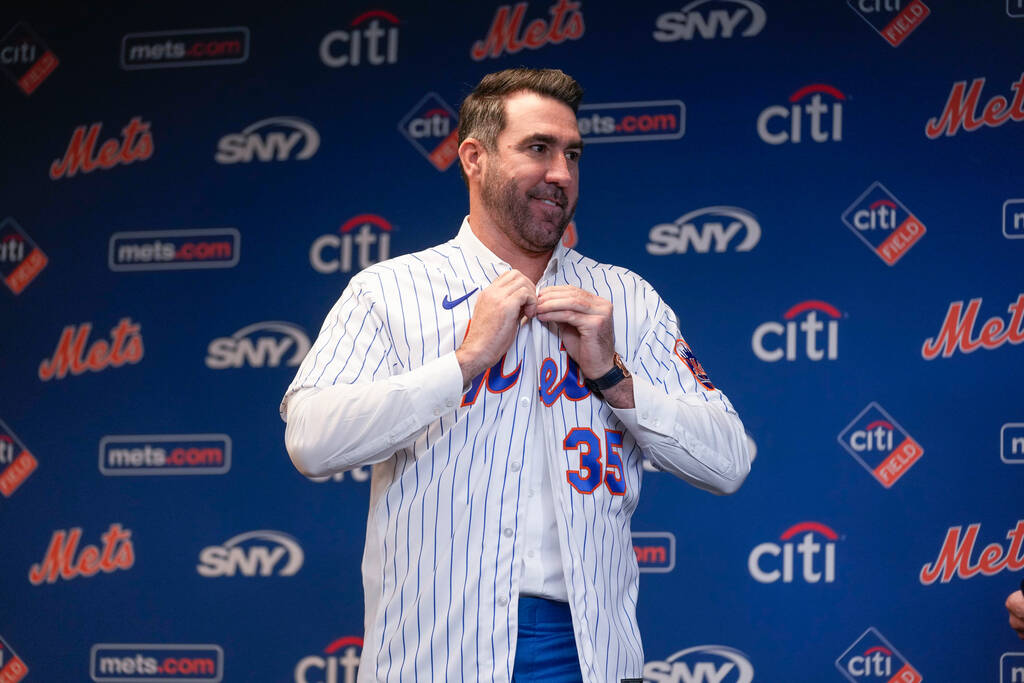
{"type": "Point", "coordinates": [531, 182]}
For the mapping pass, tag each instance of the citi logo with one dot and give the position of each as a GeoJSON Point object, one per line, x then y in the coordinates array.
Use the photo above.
{"type": "Point", "coordinates": [826, 122]}
{"type": "Point", "coordinates": [273, 139]}
{"type": "Point", "coordinates": [248, 347]}
{"type": "Point", "coordinates": [338, 663]}
{"type": "Point", "coordinates": [818, 560]}
{"type": "Point", "coordinates": [700, 664]}
{"type": "Point", "coordinates": [431, 128]}
{"type": "Point", "coordinates": [12, 249]}
{"type": "Point", "coordinates": [358, 237]}
{"type": "Point", "coordinates": [880, 445]}
{"type": "Point", "coordinates": [713, 227]}
{"type": "Point", "coordinates": [872, 657]}
{"type": "Point", "coordinates": [773, 341]}
{"type": "Point", "coordinates": [693, 20]}
{"type": "Point", "coordinates": [254, 553]}
{"type": "Point", "coordinates": [372, 36]}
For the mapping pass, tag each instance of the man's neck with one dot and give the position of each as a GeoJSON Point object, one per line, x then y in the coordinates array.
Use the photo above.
{"type": "Point", "coordinates": [530, 264]}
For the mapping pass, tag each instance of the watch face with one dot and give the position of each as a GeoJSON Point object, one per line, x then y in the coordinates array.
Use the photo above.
{"type": "Point", "coordinates": [621, 366]}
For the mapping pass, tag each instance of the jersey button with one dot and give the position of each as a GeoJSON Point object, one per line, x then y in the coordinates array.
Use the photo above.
{"type": "Point", "coordinates": [503, 601]}
{"type": "Point", "coordinates": [508, 532]}
{"type": "Point", "coordinates": [515, 466]}
{"type": "Point", "coordinates": [524, 402]}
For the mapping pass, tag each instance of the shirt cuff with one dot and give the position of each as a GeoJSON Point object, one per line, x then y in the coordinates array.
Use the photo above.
{"type": "Point", "coordinates": [436, 386]}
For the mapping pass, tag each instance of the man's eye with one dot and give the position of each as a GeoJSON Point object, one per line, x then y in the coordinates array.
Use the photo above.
{"type": "Point", "coordinates": [537, 147]}
{"type": "Point", "coordinates": [572, 156]}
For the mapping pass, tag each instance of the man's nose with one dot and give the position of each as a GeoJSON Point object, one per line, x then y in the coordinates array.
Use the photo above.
{"type": "Point", "coordinates": [558, 172]}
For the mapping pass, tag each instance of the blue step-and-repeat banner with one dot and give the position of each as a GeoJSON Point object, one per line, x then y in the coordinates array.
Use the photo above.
{"type": "Point", "coordinates": [829, 193]}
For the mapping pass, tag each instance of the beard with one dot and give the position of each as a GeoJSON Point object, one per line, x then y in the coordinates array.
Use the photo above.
{"type": "Point", "coordinates": [531, 227]}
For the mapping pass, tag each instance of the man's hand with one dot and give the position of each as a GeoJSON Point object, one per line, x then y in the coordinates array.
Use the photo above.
{"type": "Point", "coordinates": [496, 319]}
{"type": "Point", "coordinates": [1015, 606]}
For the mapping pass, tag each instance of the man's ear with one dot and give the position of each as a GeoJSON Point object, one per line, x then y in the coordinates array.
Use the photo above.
{"type": "Point", "coordinates": [472, 155]}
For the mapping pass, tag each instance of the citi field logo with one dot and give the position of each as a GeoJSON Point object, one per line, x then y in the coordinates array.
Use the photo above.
{"type": "Point", "coordinates": [135, 144]}
{"type": "Point", "coordinates": [873, 658]}
{"type": "Point", "coordinates": [255, 553]}
{"type": "Point", "coordinates": [174, 249]}
{"type": "Point", "coordinates": [432, 128]}
{"type": "Point", "coordinates": [20, 259]}
{"type": "Point", "coordinates": [957, 331]}
{"type": "Point", "coordinates": [961, 110]}
{"type": "Point", "coordinates": [338, 663]}
{"type": "Point", "coordinates": [696, 19]}
{"type": "Point", "coordinates": [891, 19]}
{"type": "Point", "coordinates": [25, 58]}
{"type": "Point", "coordinates": [114, 662]}
{"type": "Point", "coordinates": [16, 462]}
{"type": "Point", "coordinates": [366, 237]}
{"type": "Point", "coordinates": [700, 664]}
{"type": "Point", "coordinates": [125, 347]}
{"type": "Point", "coordinates": [773, 341]}
{"type": "Point", "coordinates": [371, 37]}
{"type": "Point", "coordinates": [260, 345]}
{"type": "Point", "coordinates": [773, 562]}
{"type": "Point", "coordinates": [713, 228]}
{"type": "Point", "coordinates": [12, 668]}
{"type": "Point", "coordinates": [883, 223]}
{"type": "Point", "coordinates": [274, 139]}
{"type": "Point", "coordinates": [955, 555]}
{"type": "Point", "coordinates": [825, 121]}
{"type": "Point", "coordinates": [165, 454]}
{"type": "Point", "coordinates": [508, 36]}
{"type": "Point", "coordinates": [64, 561]}
{"type": "Point", "coordinates": [880, 445]}
{"type": "Point", "coordinates": [655, 551]}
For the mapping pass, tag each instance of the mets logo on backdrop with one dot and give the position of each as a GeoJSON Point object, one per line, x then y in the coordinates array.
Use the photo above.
{"type": "Point", "coordinates": [883, 223]}
{"type": "Point", "coordinates": [136, 144]}
{"type": "Point", "coordinates": [961, 109]}
{"type": "Point", "coordinates": [954, 557]}
{"type": "Point", "coordinates": [873, 658]}
{"type": "Point", "coordinates": [20, 259]}
{"type": "Point", "coordinates": [880, 445]}
{"type": "Point", "coordinates": [12, 668]}
{"type": "Point", "coordinates": [16, 462]}
{"type": "Point", "coordinates": [700, 664]}
{"type": "Point", "coordinates": [893, 20]}
{"type": "Point", "coordinates": [507, 33]}
{"type": "Point", "coordinates": [432, 128]}
{"type": "Point", "coordinates": [64, 561]}
{"type": "Point", "coordinates": [125, 347]}
{"type": "Point", "coordinates": [957, 331]}
{"type": "Point", "coordinates": [25, 58]}
{"type": "Point", "coordinates": [339, 662]}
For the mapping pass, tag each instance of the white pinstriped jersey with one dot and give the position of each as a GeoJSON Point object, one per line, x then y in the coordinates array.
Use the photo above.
{"type": "Point", "coordinates": [448, 500]}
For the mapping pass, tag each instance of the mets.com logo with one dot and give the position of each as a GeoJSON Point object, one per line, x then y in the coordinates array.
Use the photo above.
{"type": "Point", "coordinates": [701, 664]}
{"type": "Point", "coordinates": [630, 121]}
{"type": "Point", "coordinates": [163, 454]}
{"type": "Point", "coordinates": [122, 662]}
{"type": "Point", "coordinates": [174, 249]}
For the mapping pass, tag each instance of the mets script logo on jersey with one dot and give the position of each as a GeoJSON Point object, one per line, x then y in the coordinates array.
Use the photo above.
{"type": "Point", "coordinates": [962, 108]}
{"type": "Point", "coordinates": [20, 259]}
{"type": "Point", "coordinates": [955, 555]}
{"type": "Point", "coordinates": [125, 347]}
{"type": "Point", "coordinates": [254, 553]}
{"type": "Point", "coordinates": [432, 128]}
{"type": "Point", "coordinates": [883, 223]}
{"type": "Point", "coordinates": [174, 249]}
{"type": "Point", "coordinates": [685, 353]}
{"type": "Point", "coordinates": [372, 37]}
{"type": "Point", "coordinates": [64, 561]}
{"type": "Point", "coordinates": [12, 668]}
{"type": "Point", "coordinates": [957, 331]}
{"type": "Point", "coordinates": [259, 345]}
{"type": "Point", "coordinates": [507, 34]}
{"type": "Point", "coordinates": [711, 228]}
{"type": "Point", "coordinates": [630, 121]}
{"type": "Point", "coordinates": [162, 454]}
{"type": "Point", "coordinates": [826, 122]}
{"type": "Point", "coordinates": [773, 341]}
{"type": "Point", "coordinates": [25, 58]}
{"type": "Point", "coordinates": [113, 662]}
{"type": "Point", "coordinates": [136, 144]}
{"type": "Point", "coordinates": [367, 237]}
{"type": "Point", "coordinates": [873, 658]}
{"type": "Point", "coordinates": [880, 445]}
{"type": "Point", "coordinates": [892, 19]}
{"type": "Point", "coordinates": [339, 662]}
{"type": "Point", "coordinates": [16, 462]}
{"type": "Point", "coordinates": [273, 139]}
{"type": "Point", "coordinates": [701, 664]}
{"type": "Point", "coordinates": [696, 18]}
{"type": "Point", "coordinates": [818, 559]}
{"type": "Point", "coordinates": [655, 551]}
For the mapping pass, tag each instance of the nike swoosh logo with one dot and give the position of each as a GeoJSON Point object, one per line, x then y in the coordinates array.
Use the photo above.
{"type": "Point", "coordinates": [448, 305]}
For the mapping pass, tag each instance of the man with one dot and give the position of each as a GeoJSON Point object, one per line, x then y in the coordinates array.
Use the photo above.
{"type": "Point", "coordinates": [507, 453]}
{"type": "Point", "coordinates": [1015, 606]}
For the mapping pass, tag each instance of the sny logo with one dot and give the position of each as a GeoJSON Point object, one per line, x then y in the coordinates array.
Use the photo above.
{"type": "Point", "coordinates": [655, 551]}
{"type": "Point", "coordinates": [431, 126]}
{"type": "Point", "coordinates": [504, 36]}
{"type": "Point", "coordinates": [957, 329]}
{"type": "Point", "coordinates": [955, 556]}
{"type": "Point", "coordinates": [880, 445]}
{"type": "Point", "coordinates": [883, 223]}
{"type": "Point", "coordinates": [266, 350]}
{"type": "Point", "coordinates": [60, 561]}
{"type": "Point", "coordinates": [962, 106]}
{"type": "Point", "coordinates": [136, 144]}
{"type": "Point", "coordinates": [808, 550]}
{"type": "Point", "coordinates": [272, 139]}
{"type": "Point", "coordinates": [873, 658]}
{"type": "Point", "coordinates": [810, 326]}
{"type": "Point", "coordinates": [25, 58]}
{"type": "Point", "coordinates": [20, 259]}
{"type": "Point", "coordinates": [339, 662]}
{"type": "Point", "coordinates": [711, 663]}
{"type": "Point", "coordinates": [713, 225]}
{"type": "Point", "coordinates": [889, 19]}
{"type": "Point", "coordinates": [710, 24]}
{"type": "Point", "coordinates": [70, 355]}
{"type": "Point", "coordinates": [333, 254]}
{"type": "Point", "coordinates": [377, 30]}
{"type": "Point", "coordinates": [815, 109]}
{"type": "Point", "coordinates": [12, 668]}
{"type": "Point", "coordinates": [254, 553]}
{"type": "Point", "coordinates": [16, 462]}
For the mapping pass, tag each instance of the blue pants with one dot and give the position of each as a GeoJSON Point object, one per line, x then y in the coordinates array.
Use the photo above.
{"type": "Point", "coordinates": [546, 646]}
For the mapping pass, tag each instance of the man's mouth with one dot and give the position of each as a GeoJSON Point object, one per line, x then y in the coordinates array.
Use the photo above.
{"type": "Point", "coordinates": [550, 201]}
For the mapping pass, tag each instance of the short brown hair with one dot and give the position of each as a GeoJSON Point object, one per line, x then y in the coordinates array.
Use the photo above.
{"type": "Point", "coordinates": [482, 114]}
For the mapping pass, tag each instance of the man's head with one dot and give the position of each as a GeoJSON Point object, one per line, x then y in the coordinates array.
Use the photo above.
{"type": "Point", "coordinates": [519, 147]}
